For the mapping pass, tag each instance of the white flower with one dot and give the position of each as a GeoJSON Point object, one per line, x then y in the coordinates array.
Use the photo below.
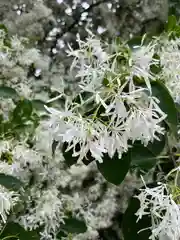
{"type": "Point", "coordinates": [142, 59]}
{"type": "Point", "coordinates": [5, 146]}
{"type": "Point", "coordinates": [164, 212]}
{"type": "Point", "coordinates": [97, 50]}
{"type": "Point", "coordinates": [170, 62]}
{"type": "Point", "coordinates": [48, 211]}
{"type": "Point", "coordinates": [58, 113]}
{"type": "Point", "coordinates": [97, 150]}
{"type": "Point", "coordinates": [143, 122]}
{"type": "Point", "coordinates": [2, 36]}
{"type": "Point", "coordinates": [91, 62]}
{"type": "Point", "coordinates": [23, 155]}
{"type": "Point", "coordinates": [16, 44]}
{"type": "Point", "coordinates": [7, 200]}
{"type": "Point", "coordinates": [131, 112]}
{"type": "Point", "coordinates": [29, 56]}
{"type": "Point", "coordinates": [25, 90]}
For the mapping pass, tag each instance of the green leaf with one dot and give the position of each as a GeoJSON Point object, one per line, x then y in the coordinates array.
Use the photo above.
{"type": "Point", "coordinates": [172, 27]}
{"type": "Point", "coordinates": [8, 92]}
{"type": "Point", "coordinates": [10, 182]}
{"type": "Point", "coordinates": [60, 235]}
{"type": "Point", "coordinates": [131, 227]}
{"type": "Point", "coordinates": [69, 159]}
{"type": "Point", "coordinates": [143, 158]}
{"type": "Point", "coordinates": [135, 41]}
{"type": "Point", "coordinates": [109, 234]}
{"type": "Point", "coordinates": [5, 129]}
{"type": "Point", "coordinates": [114, 169]}
{"type": "Point", "coordinates": [146, 157]}
{"type": "Point", "coordinates": [38, 104]}
{"type": "Point", "coordinates": [105, 82]}
{"type": "Point", "coordinates": [171, 24]}
{"type": "Point", "coordinates": [3, 27]}
{"type": "Point", "coordinates": [166, 104]}
{"type": "Point", "coordinates": [157, 146]}
{"type": "Point", "coordinates": [18, 233]}
{"type": "Point", "coordinates": [74, 225]}
{"type": "Point", "coordinates": [23, 111]}
{"type": "Point", "coordinates": [178, 107]}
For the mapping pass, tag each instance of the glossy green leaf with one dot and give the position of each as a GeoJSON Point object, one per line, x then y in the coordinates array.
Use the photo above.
{"type": "Point", "coordinates": [146, 157]}
{"type": "Point", "coordinates": [8, 92]}
{"type": "Point", "coordinates": [157, 146]}
{"type": "Point", "coordinates": [178, 107]}
{"type": "Point", "coordinates": [38, 104]}
{"type": "Point", "coordinates": [18, 233]}
{"type": "Point", "coordinates": [171, 24]}
{"type": "Point", "coordinates": [166, 104]}
{"type": "Point", "coordinates": [61, 235]}
{"type": "Point", "coordinates": [135, 41]}
{"type": "Point", "coordinates": [23, 111]}
{"type": "Point", "coordinates": [109, 234]}
{"type": "Point", "coordinates": [69, 159]}
{"type": "Point", "coordinates": [74, 225]}
{"type": "Point", "coordinates": [10, 182]}
{"type": "Point", "coordinates": [114, 169]}
{"type": "Point", "coordinates": [131, 227]}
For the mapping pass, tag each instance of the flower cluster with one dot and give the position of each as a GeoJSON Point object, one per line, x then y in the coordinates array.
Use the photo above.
{"type": "Point", "coordinates": [169, 60]}
{"type": "Point", "coordinates": [56, 190]}
{"type": "Point", "coordinates": [8, 200]}
{"type": "Point", "coordinates": [121, 109]}
{"type": "Point", "coordinates": [16, 60]}
{"type": "Point", "coordinates": [158, 203]}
